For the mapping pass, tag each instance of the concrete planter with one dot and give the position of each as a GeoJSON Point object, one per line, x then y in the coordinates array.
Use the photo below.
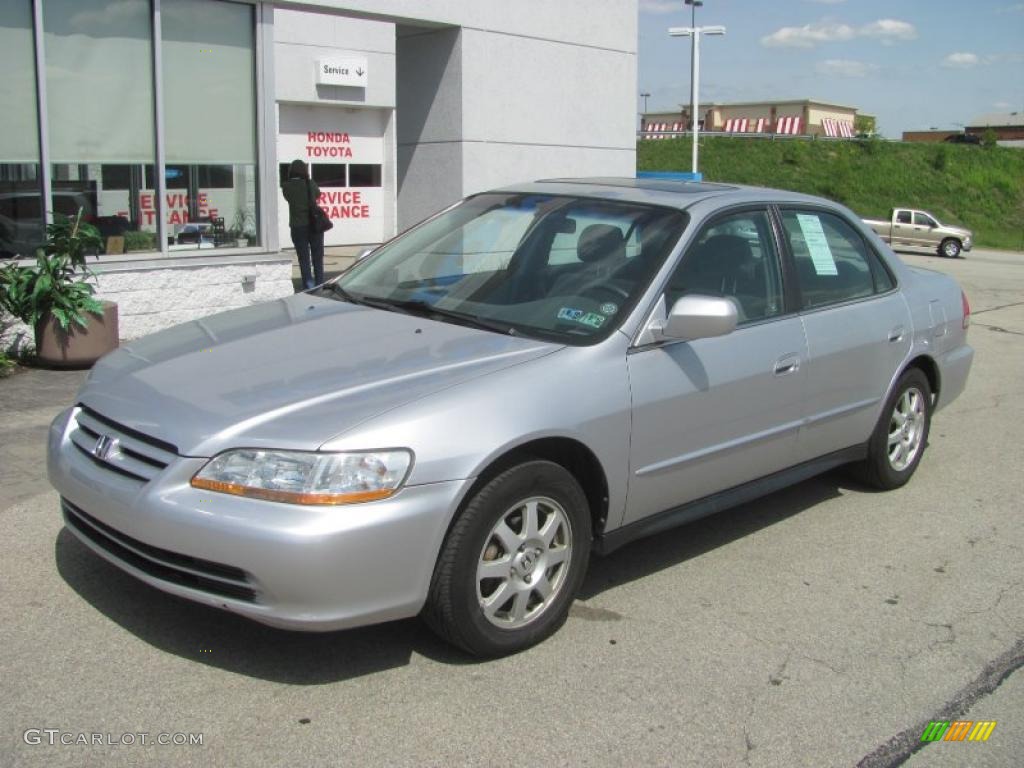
{"type": "Point", "coordinates": [78, 347]}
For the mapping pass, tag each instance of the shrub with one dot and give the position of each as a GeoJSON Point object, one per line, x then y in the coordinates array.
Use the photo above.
{"type": "Point", "coordinates": [139, 241]}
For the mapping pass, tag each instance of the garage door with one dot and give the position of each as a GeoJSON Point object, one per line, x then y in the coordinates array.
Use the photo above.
{"type": "Point", "coordinates": [344, 148]}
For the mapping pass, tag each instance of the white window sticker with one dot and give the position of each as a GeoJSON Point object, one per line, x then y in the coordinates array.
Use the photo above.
{"type": "Point", "coordinates": [817, 244]}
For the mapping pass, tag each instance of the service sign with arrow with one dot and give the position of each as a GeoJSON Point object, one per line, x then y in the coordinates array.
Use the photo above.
{"type": "Point", "coordinates": [348, 71]}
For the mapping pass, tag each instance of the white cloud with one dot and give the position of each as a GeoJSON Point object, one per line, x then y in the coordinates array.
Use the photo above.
{"type": "Point", "coordinates": [961, 60]}
{"type": "Point", "coordinates": [889, 30]}
{"type": "Point", "coordinates": [660, 6]}
{"type": "Point", "coordinates": [1002, 105]}
{"type": "Point", "coordinates": [810, 35]}
{"type": "Point", "coordinates": [845, 68]}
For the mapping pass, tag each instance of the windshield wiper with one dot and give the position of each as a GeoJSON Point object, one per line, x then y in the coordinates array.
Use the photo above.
{"type": "Point", "coordinates": [422, 308]}
{"type": "Point", "coordinates": [344, 295]}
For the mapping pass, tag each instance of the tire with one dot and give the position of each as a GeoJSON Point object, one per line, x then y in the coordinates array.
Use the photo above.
{"type": "Point", "coordinates": [901, 435]}
{"type": "Point", "coordinates": [486, 595]}
{"type": "Point", "coordinates": [950, 248]}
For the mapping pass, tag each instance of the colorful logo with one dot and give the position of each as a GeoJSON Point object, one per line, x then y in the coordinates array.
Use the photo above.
{"type": "Point", "coordinates": [958, 730]}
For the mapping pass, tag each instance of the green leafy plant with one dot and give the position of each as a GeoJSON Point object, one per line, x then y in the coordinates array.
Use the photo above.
{"type": "Point", "coordinates": [6, 364]}
{"type": "Point", "coordinates": [138, 240]}
{"type": "Point", "coordinates": [58, 284]}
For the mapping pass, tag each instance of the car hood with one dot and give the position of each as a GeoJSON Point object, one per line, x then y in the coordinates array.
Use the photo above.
{"type": "Point", "coordinates": [288, 374]}
{"type": "Point", "coordinates": [956, 230]}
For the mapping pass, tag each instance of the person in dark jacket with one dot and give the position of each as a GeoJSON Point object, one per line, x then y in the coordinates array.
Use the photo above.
{"type": "Point", "coordinates": [309, 245]}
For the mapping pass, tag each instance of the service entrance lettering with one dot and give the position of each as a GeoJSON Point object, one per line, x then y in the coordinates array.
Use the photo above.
{"type": "Point", "coordinates": [344, 204]}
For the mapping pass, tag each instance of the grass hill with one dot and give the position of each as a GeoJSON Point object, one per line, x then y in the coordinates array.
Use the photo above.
{"type": "Point", "coordinates": [979, 187]}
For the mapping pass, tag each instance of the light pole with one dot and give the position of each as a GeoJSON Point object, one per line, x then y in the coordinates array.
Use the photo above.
{"type": "Point", "coordinates": [695, 33]}
{"type": "Point", "coordinates": [645, 97]}
{"type": "Point", "coordinates": [694, 5]}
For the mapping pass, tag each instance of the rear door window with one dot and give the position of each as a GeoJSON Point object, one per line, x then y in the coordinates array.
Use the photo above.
{"type": "Point", "coordinates": [833, 263]}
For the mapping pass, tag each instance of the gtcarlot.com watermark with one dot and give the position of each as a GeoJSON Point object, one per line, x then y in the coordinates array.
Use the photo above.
{"type": "Point", "coordinates": [58, 737]}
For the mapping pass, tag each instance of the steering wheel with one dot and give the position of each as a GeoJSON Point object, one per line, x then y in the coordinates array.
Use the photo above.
{"type": "Point", "coordinates": [602, 291]}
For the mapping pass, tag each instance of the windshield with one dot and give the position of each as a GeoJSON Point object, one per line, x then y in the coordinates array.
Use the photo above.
{"type": "Point", "coordinates": [559, 268]}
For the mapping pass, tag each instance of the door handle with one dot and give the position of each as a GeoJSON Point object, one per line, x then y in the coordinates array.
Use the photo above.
{"type": "Point", "coordinates": [787, 364]}
{"type": "Point", "coordinates": [896, 334]}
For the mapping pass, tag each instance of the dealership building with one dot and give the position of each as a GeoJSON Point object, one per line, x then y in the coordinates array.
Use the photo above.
{"type": "Point", "coordinates": [169, 123]}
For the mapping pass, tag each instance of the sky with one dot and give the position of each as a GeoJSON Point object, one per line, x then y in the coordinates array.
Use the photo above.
{"type": "Point", "coordinates": [914, 64]}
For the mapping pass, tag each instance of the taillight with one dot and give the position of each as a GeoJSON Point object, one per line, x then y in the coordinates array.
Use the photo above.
{"type": "Point", "coordinates": [967, 309]}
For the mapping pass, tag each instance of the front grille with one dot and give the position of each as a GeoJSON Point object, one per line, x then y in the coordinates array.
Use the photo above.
{"type": "Point", "coordinates": [193, 572]}
{"type": "Point", "coordinates": [120, 449]}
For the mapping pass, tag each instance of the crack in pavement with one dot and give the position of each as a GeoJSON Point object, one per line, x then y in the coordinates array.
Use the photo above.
{"type": "Point", "coordinates": [993, 309]}
{"type": "Point", "coordinates": [900, 747]}
{"type": "Point", "coordinates": [1000, 329]}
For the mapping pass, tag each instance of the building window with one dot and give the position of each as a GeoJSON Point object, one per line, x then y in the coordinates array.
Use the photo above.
{"type": "Point", "coordinates": [360, 175]}
{"type": "Point", "coordinates": [99, 93]}
{"type": "Point", "coordinates": [21, 209]}
{"type": "Point", "coordinates": [328, 174]}
{"type": "Point", "coordinates": [208, 51]}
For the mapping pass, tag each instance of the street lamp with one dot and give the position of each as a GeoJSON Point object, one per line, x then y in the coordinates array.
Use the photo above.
{"type": "Point", "coordinates": [645, 97]}
{"type": "Point", "coordinates": [694, 5]}
{"type": "Point", "coordinates": [695, 33]}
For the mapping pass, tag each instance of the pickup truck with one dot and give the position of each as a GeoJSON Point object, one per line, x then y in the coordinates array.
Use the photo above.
{"type": "Point", "coordinates": [919, 229]}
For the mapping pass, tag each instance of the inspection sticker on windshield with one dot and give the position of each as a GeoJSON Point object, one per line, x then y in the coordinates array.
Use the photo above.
{"type": "Point", "coordinates": [593, 319]}
{"type": "Point", "coordinates": [609, 308]}
{"type": "Point", "coordinates": [817, 244]}
{"type": "Point", "coordinates": [565, 313]}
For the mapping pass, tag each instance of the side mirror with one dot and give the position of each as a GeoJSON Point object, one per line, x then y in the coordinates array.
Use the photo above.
{"type": "Point", "coordinates": [700, 317]}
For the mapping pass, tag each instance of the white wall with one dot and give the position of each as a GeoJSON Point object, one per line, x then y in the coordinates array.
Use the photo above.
{"type": "Point", "coordinates": [519, 91]}
{"type": "Point", "coordinates": [488, 92]}
{"type": "Point", "coordinates": [301, 37]}
{"type": "Point", "coordinates": [160, 294]}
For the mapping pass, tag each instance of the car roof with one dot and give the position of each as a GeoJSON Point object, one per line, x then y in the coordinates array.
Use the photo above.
{"type": "Point", "coordinates": [659, 191]}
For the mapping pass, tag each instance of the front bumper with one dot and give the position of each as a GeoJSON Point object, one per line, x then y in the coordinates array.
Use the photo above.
{"type": "Point", "coordinates": [288, 566]}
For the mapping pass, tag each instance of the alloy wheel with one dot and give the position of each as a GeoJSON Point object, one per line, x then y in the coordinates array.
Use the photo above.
{"type": "Point", "coordinates": [906, 428]}
{"type": "Point", "coordinates": [524, 562]}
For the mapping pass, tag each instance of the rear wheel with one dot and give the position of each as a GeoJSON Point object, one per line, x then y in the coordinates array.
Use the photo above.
{"type": "Point", "coordinates": [512, 561]}
{"type": "Point", "coordinates": [901, 435]}
{"type": "Point", "coordinates": [950, 248]}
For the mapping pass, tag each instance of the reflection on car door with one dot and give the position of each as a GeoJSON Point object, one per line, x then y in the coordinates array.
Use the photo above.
{"type": "Point", "coordinates": [713, 413]}
{"type": "Point", "coordinates": [858, 330]}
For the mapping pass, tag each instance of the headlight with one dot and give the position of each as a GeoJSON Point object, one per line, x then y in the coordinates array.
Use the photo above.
{"type": "Point", "coordinates": [300, 477]}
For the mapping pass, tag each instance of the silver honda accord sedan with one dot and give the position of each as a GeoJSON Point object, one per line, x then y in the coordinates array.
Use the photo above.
{"type": "Point", "coordinates": [455, 424]}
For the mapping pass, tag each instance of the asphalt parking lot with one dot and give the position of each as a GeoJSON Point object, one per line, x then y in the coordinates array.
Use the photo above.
{"type": "Point", "coordinates": [824, 625]}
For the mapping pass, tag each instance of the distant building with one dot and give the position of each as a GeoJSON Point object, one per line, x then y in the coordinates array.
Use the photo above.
{"type": "Point", "coordinates": [1007, 126]}
{"type": "Point", "coordinates": [806, 117]}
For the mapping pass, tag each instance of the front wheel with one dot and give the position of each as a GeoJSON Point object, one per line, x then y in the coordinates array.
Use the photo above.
{"type": "Point", "coordinates": [512, 562]}
{"type": "Point", "coordinates": [901, 435]}
{"type": "Point", "coordinates": [949, 248]}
